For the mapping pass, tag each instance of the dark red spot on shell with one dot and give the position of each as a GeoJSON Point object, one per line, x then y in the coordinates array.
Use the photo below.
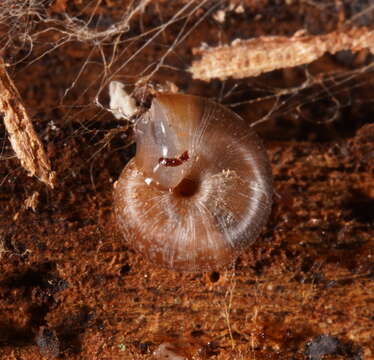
{"type": "Point", "coordinates": [174, 161]}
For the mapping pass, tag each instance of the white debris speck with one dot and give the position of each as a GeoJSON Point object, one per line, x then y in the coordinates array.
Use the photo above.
{"type": "Point", "coordinates": [148, 181]}
{"type": "Point", "coordinates": [220, 16]}
{"type": "Point", "coordinates": [167, 351]}
{"type": "Point", "coordinates": [53, 126]}
{"type": "Point", "coordinates": [239, 9]}
{"type": "Point", "coordinates": [122, 105]}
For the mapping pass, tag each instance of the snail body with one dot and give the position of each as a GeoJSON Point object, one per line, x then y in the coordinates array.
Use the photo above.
{"type": "Point", "coordinates": [199, 189]}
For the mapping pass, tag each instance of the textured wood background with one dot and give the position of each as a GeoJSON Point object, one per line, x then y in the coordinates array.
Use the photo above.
{"type": "Point", "coordinates": [70, 287]}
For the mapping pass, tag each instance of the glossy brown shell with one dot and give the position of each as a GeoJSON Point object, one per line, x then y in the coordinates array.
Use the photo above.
{"type": "Point", "coordinates": [213, 201]}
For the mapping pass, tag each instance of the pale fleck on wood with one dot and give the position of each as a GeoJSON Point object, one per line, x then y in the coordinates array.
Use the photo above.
{"type": "Point", "coordinates": [23, 138]}
{"type": "Point", "coordinates": [245, 58]}
{"type": "Point", "coordinates": [32, 201]}
{"type": "Point", "coordinates": [122, 105]}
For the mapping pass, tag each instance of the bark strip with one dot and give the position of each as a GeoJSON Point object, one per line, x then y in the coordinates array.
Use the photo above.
{"type": "Point", "coordinates": [23, 138]}
{"type": "Point", "coordinates": [245, 58]}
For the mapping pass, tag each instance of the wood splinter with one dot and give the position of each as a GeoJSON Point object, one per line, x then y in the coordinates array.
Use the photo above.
{"type": "Point", "coordinates": [246, 58]}
{"type": "Point", "coordinates": [22, 136]}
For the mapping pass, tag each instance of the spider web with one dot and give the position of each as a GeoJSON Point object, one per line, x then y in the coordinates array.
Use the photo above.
{"type": "Point", "coordinates": [77, 49]}
{"type": "Point", "coordinates": [63, 54]}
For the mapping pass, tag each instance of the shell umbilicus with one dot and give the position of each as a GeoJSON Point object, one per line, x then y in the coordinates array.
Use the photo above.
{"type": "Point", "coordinates": [199, 189]}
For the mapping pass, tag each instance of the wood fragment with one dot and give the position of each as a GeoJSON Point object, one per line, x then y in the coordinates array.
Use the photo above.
{"type": "Point", "coordinates": [245, 58]}
{"type": "Point", "coordinates": [23, 138]}
{"type": "Point", "coordinates": [122, 105]}
{"type": "Point", "coordinates": [32, 201]}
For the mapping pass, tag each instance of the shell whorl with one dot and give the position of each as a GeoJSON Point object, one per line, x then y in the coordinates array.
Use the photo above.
{"type": "Point", "coordinates": [199, 189]}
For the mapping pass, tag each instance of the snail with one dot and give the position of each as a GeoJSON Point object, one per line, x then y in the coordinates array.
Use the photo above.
{"type": "Point", "coordinates": [199, 189]}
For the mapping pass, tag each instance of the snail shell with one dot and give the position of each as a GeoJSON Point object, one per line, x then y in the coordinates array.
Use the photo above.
{"type": "Point", "coordinates": [199, 189]}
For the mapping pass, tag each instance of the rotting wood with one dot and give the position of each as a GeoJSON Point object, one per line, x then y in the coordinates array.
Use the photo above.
{"type": "Point", "coordinates": [245, 58]}
{"type": "Point", "coordinates": [23, 138]}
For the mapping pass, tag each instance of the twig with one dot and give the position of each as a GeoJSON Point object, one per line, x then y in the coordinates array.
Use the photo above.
{"type": "Point", "coordinates": [244, 58]}
{"type": "Point", "coordinates": [22, 136]}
